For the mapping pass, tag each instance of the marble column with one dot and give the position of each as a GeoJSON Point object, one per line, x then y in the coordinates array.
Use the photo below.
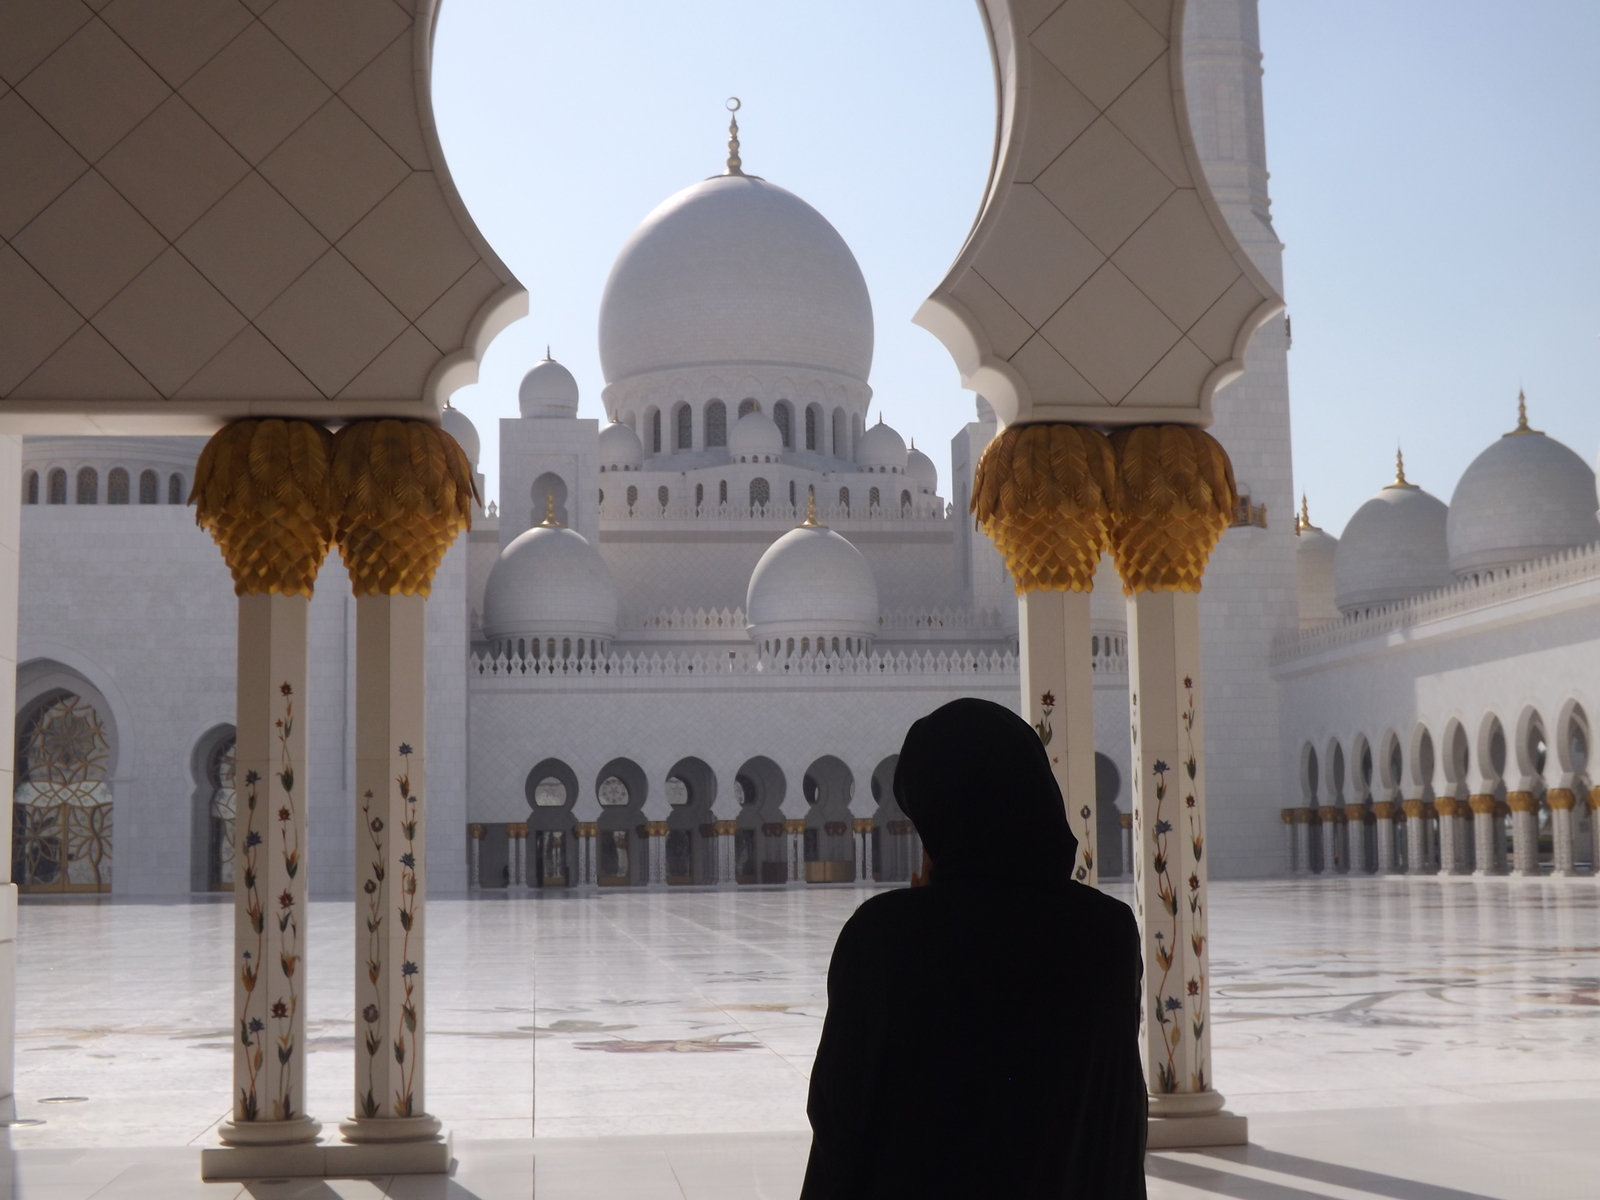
{"type": "Point", "coordinates": [1524, 832]}
{"type": "Point", "coordinates": [391, 878]}
{"type": "Point", "coordinates": [1383, 821]}
{"type": "Point", "coordinates": [725, 852]}
{"type": "Point", "coordinates": [1452, 854]}
{"type": "Point", "coordinates": [1355, 826]}
{"type": "Point", "coordinates": [1331, 818]}
{"type": "Point", "coordinates": [1483, 821]}
{"type": "Point", "coordinates": [475, 857]}
{"type": "Point", "coordinates": [862, 827]}
{"type": "Point", "coordinates": [269, 984]}
{"type": "Point", "coordinates": [1416, 837]}
{"type": "Point", "coordinates": [10, 544]}
{"type": "Point", "coordinates": [585, 832]}
{"type": "Point", "coordinates": [1058, 701]}
{"type": "Point", "coordinates": [794, 829]}
{"type": "Point", "coordinates": [1289, 849]}
{"type": "Point", "coordinates": [657, 831]}
{"type": "Point", "coordinates": [516, 856]}
{"type": "Point", "coordinates": [1169, 820]}
{"type": "Point", "coordinates": [1594, 829]}
{"type": "Point", "coordinates": [1561, 801]}
{"type": "Point", "coordinates": [1302, 841]}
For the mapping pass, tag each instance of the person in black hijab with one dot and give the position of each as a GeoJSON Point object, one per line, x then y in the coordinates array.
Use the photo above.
{"type": "Point", "coordinates": [982, 1031]}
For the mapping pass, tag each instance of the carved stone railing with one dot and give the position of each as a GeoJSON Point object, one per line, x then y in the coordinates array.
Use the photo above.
{"type": "Point", "coordinates": [616, 508]}
{"type": "Point", "coordinates": [941, 618]}
{"type": "Point", "coordinates": [625, 668]}
{"type": "Point", "coordinates": [1525, 580]}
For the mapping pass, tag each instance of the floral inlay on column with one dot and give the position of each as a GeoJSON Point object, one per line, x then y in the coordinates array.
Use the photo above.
{"type": "Point", "coordinates": [406, 1028]}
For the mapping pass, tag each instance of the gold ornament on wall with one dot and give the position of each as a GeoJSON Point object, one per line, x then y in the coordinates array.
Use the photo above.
{"type": "Point", "coordinates": [1175, 498]}
{"type": "Point", "coordinates": [402, 492]}
{"type": "Point", "coordinates": [1043, 493]}
{"type": "Point", "coordinates": [261, 492]}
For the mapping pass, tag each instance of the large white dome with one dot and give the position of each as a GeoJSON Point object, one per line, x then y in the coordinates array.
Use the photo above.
{"type": "Point", "coordinates": [812, 583]}
{"type": "Point", "coordinates": [881, 446]}
{"type": "Point", "coordinates": [1392, 549]}
{"type": "Point", "coordinates": [548, 390]}
{"type": "Point", "coordinates": [1314, 554]}
{"type": "Point", "coordinates": [735, 270]}
{"type": "Point", "coordinates": [549, 582]}
{"type": "Point", "coordinates": [1524, 497]}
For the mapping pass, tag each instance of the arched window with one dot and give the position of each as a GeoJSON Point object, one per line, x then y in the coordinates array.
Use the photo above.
{"type": "Point", "coordinates": [811, 427]}
{"type": "Point", "coordinates": [783, 417]}
{"type": "Point", "coordinates": [550, 792]}
{"type": "Point", "coordinates": [841, 446]}
{"type": "Point", "coordinates": [716, 423]}
{"type": "Point", "coordinates": [88, 486]}
{"type": "Point", "coordinates": [117, 486]}
{"type": "Point", "coordinates": [602, 497]}
{"type": "Point", "coordinates": [221, 808]}
{"type": "Point", "coordinates": [633, 497]}
{"type": "Point", "coordinates": [760, 493]}
{"type": "Point", "coordinates": [61, 810]}
{"type": "Point", "coordinates": [549, 496]}
{"type": "Point", "coordinates": [748, 406]}
{"type": "Point", "coordinates": [685, 427]}
{"type": "Point", "coordinates": [30, 488]}
{"type": "Point", "coordinates": [678, 792]}
{"type": "Point", "coordinates": [855, 435]}
{"type": "Point", "coordinates": [58, 487]}
{"type": "Point", "coordinates": [791, 493]}
{"type": "Point", "coordinates": [655, 431]}
{"type": "Point", "coordinates": [905, 499]}
{"type": "Point", "coordinates": [174, 489]}
{"type": "Point", "coordinates": [722, 492]}
{"type": "Point", "coordinates": [613, 792]}
{"type": "Point", "coordinates": [699, 494]}
{"type": "Point", "coordinates": [662, 496]}
{"type": "Point", "coordinates": [844, 499]}
{"type": "Point", "coordinates": [873, 498]}
{"type": "Point", "coordinates": [149, 487]}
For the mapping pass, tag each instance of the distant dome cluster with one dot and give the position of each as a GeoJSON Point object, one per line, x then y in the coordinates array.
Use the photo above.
{"type": "Point", "coordinates": [1525, 497]}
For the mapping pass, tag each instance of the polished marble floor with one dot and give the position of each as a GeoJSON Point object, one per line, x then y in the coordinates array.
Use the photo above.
{"type": "Point", "coordinates": [1393, 1030]}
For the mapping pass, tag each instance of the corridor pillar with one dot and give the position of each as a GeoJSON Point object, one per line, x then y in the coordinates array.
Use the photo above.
{"type": "Point", "coordinates": [402, 492]}
{"type": "Point", "coordinates": [1416, 837]}
{"type": "Point", "coordinates": [1302, 841]}
{"type": "Point", "coordinates": [725, 842]}
{"type": "Point", "coordinates": [1524, 808]}
{"type": "Point", "coordinates": [1042, 493]}
{"type": "Point", "coordinates": [1383, 820]}
{"type": "Point", "coordinates": [1483, 841]}
{"type": "Point", "coordinates": [10, 546]}
{"type": "Point", "coordinates": [1355, 837]}
{"type": "Point", "coordinates": [862, 827]}
{"type": "Point", "coordinates": [1561, 801]}
{"type": "Point", "coordinates": [261, 491]}
{"type": "Point", "coordinates": [1452, 848]}
{"type": "Point", "coordinates": [475, 833]}
{"type": "Point", "coordinates": [1175, 496]}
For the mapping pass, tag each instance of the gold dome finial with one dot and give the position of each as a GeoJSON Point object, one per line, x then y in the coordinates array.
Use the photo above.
{"type": "Point", "coordinates": [1522, 416]}
{"type": "Point", "coordinates": [811, 521]}
{"type": "Point", "coordinates": [1400, 480]}
{"type": "Point", "coordinates": [735, 164]}
{"type": "Point", "coordinates": [550, 521]}
{"type": "Point", "coordinates": [1303, 521]}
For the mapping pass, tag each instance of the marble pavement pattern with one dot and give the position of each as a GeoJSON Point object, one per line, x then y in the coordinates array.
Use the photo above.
{"type": "Point", "coordinates": [1422, 1015]}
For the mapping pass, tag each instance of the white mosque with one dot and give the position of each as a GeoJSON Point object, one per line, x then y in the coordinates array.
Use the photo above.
{"type": "Point", "coordinates": [682, 646]}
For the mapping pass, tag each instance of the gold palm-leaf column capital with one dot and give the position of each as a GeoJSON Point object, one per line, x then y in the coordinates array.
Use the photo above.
{"type": "Point", "coordinates": [261, 492]}
{"type": "Point", "coordinates": [1043, 493]}
{"type": "Point", "coordinates": [402, 492]}
{"type": "Point", "coordinates": [1175, 498]}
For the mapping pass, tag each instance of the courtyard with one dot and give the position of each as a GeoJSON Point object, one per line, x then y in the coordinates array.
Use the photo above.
{"type": "Point", "coordinates": [1431, 1038]}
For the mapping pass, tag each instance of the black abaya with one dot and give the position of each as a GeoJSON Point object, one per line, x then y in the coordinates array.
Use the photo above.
{"type": "Point", "coordinates": [982, 1032]}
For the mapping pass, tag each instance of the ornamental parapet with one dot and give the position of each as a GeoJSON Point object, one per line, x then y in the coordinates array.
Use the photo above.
{"type": "Point", "coordinates": [1563, 569]}
{"type": "Point", "coordinates": [627, 669]}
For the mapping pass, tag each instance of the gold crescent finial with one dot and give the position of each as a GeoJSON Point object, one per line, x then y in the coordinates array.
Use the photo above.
{"type": "Point", "coordinates": [1522, 415]}
{"type": "Point", "coordinates": [1400, 480]}
{"type": "Point", "coordinates": [735, 163]}
{"type": "Point", "coordinates": [1305, 513]}
{"type": "Point", "coordinates": [811, 521]}
{"type": "Point", "coordinates": [550, 521]}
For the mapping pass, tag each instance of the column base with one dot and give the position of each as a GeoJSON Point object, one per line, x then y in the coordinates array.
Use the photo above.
{"type": "Point", "coordinates": [1221, 1128]}
{"type": "Point", "coordinates": [382, 1130]}
{"type": "Point", "coordinates": [299, 1131]}
{"type": "Point", "coordinates": [318, 1161]}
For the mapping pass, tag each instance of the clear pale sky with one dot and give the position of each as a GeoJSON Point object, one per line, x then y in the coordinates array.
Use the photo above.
{"type": "Point", "coordinates": [1435, 176]}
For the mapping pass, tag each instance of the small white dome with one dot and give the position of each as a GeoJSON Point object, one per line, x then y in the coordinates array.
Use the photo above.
{"type": "Point", "coordinates": [922, 471]}
{"type": "Point", "coordinates": [735, 270]}
{"type": "Point", "coordinates": [620, 448]}
{"type": "Point", "coordinates": [1524, 497]}
{"type": "Point", "coordinates": [812, 582]}
{"type": "Point", "coordinates": [459, 426]}
{"type": "Point", "coordinates": [549, 582]}
{"type": "Point", "coordinates": [1315, 551]}
{"type": "Point", "coordinates": [549, 390]}
{"type": "Point", "coordinates": [754, 434]}
{"type": "Point", "coordinates": [1392, 549]}
{"type": "Point", "coordinates": [881, 446]}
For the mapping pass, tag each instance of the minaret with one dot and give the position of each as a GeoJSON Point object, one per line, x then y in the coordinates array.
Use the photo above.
{"type": "Point", "coordinates": [1250, 594]}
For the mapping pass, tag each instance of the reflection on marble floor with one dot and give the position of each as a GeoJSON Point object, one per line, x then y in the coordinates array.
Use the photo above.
{"type": "Point", "coordinates": [698, 1012]}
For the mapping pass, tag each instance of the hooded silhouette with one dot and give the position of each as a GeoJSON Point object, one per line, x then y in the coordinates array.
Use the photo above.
{"type": "Point", "coordinates": [982, 1031]}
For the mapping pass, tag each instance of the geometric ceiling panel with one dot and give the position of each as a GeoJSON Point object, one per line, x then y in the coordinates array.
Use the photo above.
{"type": "Point", "coordinates": [1100, 284]}
{"type": "Point", "coordinates": [247, 203]}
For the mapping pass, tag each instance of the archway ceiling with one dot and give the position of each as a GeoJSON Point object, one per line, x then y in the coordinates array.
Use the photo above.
{"type": "Point", "coordinates": [1100, 283]}
{"type": "Point", "coordinates": [236, 207]}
